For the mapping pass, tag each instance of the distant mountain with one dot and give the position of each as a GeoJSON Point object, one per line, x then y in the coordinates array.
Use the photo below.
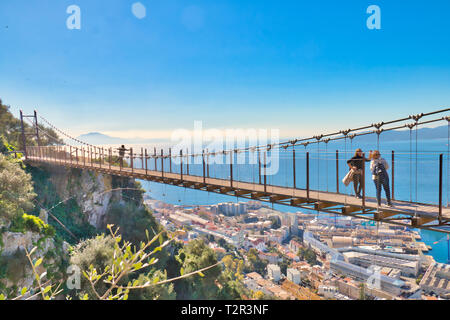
{"type": "Point", "coordinates": [97, 138]}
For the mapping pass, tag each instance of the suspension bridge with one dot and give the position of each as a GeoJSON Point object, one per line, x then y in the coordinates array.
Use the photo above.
{"type": "Point", "coordinates": [160, 167]}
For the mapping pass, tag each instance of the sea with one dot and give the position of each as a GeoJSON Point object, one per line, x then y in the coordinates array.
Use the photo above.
{"type": "Point", "coordinates": [416, 175]}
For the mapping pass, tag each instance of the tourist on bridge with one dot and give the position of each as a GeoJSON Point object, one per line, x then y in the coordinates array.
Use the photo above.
{"type": "Point", "coordinates": [356, 164]}
{"type": "Point", "coordinates": [122, 151]}
{"type": "Point", "coordinates": [379, 167]}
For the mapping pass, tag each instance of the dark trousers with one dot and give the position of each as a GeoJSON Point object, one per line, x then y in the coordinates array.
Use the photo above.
{"type": "Point", "coordinates": [382, 181]}
{"type": "Point", "coordinates": [357, 180]}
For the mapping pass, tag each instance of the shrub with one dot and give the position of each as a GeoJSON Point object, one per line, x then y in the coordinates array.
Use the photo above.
{"type": "Point", "coordinates": [16, 189]}
{"type": "Point", "coordinates": [28, 222]}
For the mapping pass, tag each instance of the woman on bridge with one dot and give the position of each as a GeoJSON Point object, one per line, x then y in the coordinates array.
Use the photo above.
{"type": "Point", "coordinates": [356, 164]}
{"type": "Point", "coordinates": [380, 177]}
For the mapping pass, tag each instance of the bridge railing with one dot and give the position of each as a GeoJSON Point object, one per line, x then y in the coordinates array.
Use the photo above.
{"type": "Point", "coordinates": [420, 177]}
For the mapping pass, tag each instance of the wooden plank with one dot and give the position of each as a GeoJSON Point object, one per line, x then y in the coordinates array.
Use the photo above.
{"type": "Point", "coordinates": [383, 215]}
{"type": "Point", "coordinates": [420, 221]}
{"type": "Point", "coordinates": [322, 205]}
{"type": "Point", "coordinates": [258, 195]}
{"type": "Point", "coordinates": [238, 193]}
{"type": "Point", "coordinates": [297, 201]}
{"type": "Point", "coordinates": [350, 209]}
{"type": "Point", "coordinates": [278, 197]}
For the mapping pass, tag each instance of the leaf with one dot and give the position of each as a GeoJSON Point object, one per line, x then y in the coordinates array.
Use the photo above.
{"type": "Point", "coordinates": [42, 275]}
{"type": "Point", "coordinates": [24, 290]}
{"type": "Point", "coordinates": [156, 250]}
{"type": "Point", "coordinates": [201, 274]}
{"type": "Point", "coordinates": [38, 262]}
{"type": "Point", "coordinates": [137, 266]}
{"type": "Point", "coordinates": [2, 297]}
{"type": "Point", "coordinates": [32, 251]}
{"type": "Point", "coordinates": [47, 289]}
{"type": "Point", "coordinates": [160, 239]}
{"type": "Point", "coordinates": [182, 271]}
{"type": "Point", "coordinates": [156, 280]}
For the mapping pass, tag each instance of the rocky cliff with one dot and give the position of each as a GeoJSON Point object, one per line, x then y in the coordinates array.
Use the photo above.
{"type": "Point", "coordinates": [77, 204]}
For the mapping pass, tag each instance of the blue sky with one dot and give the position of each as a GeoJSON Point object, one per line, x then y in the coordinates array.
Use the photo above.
{"type": "Point", "coordinates": [298, 66]}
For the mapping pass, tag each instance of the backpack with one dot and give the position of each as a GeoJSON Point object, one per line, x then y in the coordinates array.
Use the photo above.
{"type": "Point", "coordinates": [379, 169]}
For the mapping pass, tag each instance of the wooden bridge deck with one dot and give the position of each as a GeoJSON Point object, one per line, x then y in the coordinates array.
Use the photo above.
{"type": "Point", "coordinates": [417, 215]}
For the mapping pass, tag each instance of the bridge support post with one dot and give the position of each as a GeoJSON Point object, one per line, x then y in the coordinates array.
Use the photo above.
{"type": "Point", "coordinates": [146, 162]}
{"type": "Point", "coordinates": [142, 157]}
{"type": "Point", "coordinates": [393, 175]}
{"type": "Point", "coordinates": [265, 175]}
{"type": "Point", "coordinates": [207, 163]}
{"type": "Point", "coordinates": [24, 141]}
{"type": "Point", "coordinates": [231, 168]}
{"type": "Point", "coordinates": [181, 165]}
{"type": "Point", "coordinates": [203, 161]}
{"type": "Point", "coordinates": [100, 156]}
{"type": "Point", "coordinates": [441, 160]}
{"type": "Point", "coordinates": [337, 171]}
{"type": "Point", "coordinates": [293, 168]}
{"type": "Point", "coordinates": [39, 154]}
{"type": "Point", "coordinates": [307, 175]}
{"type": "Point", "coordinates": [363, 182]}
{"type": "Point", "coordinates": [170, 160]}
{"type": "Point", "coordinates": [162, 163]}
{"type": "Point", "coordinates": [110, 157]}
{"type": "Point", "coordinates": [156, 164]}
{"type": "Point", "coordinates": [259, 166]}
{"type": "Point", "coordinates": [131, 160]}
{"type": "Point", "coordinates": [187, 161]}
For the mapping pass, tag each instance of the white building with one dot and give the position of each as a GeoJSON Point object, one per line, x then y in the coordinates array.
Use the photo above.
{"type": "Point", "coordinates": [274, 272]}
{"type": "Point", "coordinates": [328, 292]}
{"type": "Point", "coordinates": [293, 275]}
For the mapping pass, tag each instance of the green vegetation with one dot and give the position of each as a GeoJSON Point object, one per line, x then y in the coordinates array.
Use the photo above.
{"type": "Point", "coordinates": [67, 212]}
{"type": "Point", "coordinates": [231, 279]}
{"type": "Point", "coordinates": [31, 223]}
{"type": "Point", "coordinates": [10, 130]}
{"type": "Point", "coordinates": [255, 263]}
{"type": "Point", "coordinates": [196, 255]}
{"type": "Point", "coordinates": [16, 189]}
{"type": "Point", "coordinates": [133, 220]}
{"type": "Point", "coordinates": [308, 255]}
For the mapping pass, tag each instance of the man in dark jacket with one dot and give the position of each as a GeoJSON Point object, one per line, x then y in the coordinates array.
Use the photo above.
{"type": "Point", "coordinates": [356, 163]}
{"type": "Point", "coordinates": [121, 154]}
